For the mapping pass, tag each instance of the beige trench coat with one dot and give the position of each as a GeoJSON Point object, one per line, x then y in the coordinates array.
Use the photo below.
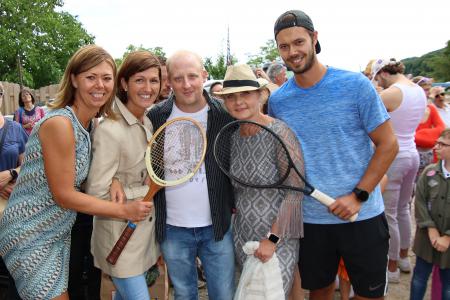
{"type": "Point", "coordinates": [118, 148]}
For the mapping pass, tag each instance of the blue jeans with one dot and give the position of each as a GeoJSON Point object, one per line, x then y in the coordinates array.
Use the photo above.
{"type": "Point", "coordinates": [422, 272]}
{"type": "Point", "coordinates": [180, 249]}
{"type": "Point", "coordinates": [131, 288]}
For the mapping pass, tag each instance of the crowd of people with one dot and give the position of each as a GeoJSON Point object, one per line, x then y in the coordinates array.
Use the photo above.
{"type": "Point", "coordinates": [375, 142]}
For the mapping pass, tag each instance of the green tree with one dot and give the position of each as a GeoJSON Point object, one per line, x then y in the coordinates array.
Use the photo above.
{"type": "Point", "coordinates": [434, 64]}
{"type": "Point", "coordinates": [268, 52]}
{"type": "Point", "coordinates": [217, 69]}
{"type": "Point", "coordinates": [158, 51]}
{"type": "Point", "coordinates": [441, 65]}
{"type": "Point", "coordinates": [36, 41]}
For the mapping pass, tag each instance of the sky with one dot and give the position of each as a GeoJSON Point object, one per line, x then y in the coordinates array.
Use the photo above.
{"type": "Point", "coordinates": [351, 32]}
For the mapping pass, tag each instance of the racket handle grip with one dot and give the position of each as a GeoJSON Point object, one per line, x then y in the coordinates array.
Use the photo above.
{"type": "Point", "coordinates": [327, 200]}
{"type": "Point", "coordinates": [323, 198]}
{"type": "Point", "coordinates": [121, 243]}
{"type": "Point", "coordinates": [354, 217]}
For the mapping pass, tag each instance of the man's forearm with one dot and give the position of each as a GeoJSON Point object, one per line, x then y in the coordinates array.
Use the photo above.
{"type": "Point", "coordinates": [381, 160]}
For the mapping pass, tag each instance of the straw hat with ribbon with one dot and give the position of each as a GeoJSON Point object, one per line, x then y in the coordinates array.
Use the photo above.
{"type": "Point", "coordinates": [240, 78]}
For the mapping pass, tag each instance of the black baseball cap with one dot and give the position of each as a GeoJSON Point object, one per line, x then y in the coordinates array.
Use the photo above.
{"type": "Point", "coordinates": [293, 18]}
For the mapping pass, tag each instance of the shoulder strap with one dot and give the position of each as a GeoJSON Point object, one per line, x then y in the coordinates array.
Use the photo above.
{"type": "Point", "coordinates": [20, 114]}
{"type": "Point", "coordinates": [2, 139]}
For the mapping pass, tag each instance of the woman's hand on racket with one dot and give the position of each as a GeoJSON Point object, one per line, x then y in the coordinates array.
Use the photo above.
{"type": "Point", "coordinates": [137, 210]}
{"type": "Point", "coordinates": [116, 191]}
{"type": "Point", "coordinates": [345, 206]}
{"type": "Point", "coordinates": [265, 250]}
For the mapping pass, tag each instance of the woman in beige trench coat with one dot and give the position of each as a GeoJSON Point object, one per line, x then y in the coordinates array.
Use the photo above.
{"type": "Point", "coordinates": [119, 145]}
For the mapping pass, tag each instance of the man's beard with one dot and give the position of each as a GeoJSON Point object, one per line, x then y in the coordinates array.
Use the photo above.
{"type": "Point", "coordinates": [310, 57]}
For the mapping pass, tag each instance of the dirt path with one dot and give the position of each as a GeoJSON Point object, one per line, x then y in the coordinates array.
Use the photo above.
{"type": "Point", "coordinates": [399, 291]}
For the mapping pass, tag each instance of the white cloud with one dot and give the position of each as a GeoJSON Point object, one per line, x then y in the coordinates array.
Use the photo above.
{"type": "Point", "coordinates": [351, 32]}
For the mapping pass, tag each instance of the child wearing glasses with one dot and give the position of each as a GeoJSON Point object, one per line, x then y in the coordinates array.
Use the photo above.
{"type": "Point", "coordinates": [432, 205]}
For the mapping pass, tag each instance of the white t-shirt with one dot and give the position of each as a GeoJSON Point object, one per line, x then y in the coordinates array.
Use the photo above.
{"type": "Point", "coordinates": [444, 170]}
{"type": "Point", "coordinates": [445, 114]}
{"type": "Point", "coordinates": [187, 204]}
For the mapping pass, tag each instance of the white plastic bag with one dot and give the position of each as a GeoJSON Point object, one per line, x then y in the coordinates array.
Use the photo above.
{"type": "Point", "coordinates": [259, 281]}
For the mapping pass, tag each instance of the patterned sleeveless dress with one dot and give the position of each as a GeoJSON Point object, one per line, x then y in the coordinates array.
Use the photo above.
{"type": "Point", "coordinates": [34, 230]}
{"type": "Point", "coordinates": [257, 208]}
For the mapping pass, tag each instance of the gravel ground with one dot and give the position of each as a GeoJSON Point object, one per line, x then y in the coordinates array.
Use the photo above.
{"type": "Point", "coordinates": [399, 291]}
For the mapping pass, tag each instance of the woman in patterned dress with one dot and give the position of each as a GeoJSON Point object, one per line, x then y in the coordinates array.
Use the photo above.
{"type": "Point", "coordinates": [28, 114]}
{"type": "Point", "coordinates": [262, 212]}
{"type": "Point", "coordinates": [36, 225]}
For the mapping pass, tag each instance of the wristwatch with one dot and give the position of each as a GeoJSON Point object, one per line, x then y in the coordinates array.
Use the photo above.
{"type": "Point", "coordinates": [361, 195]}
{"type": "Point", "coordinates": [13, 173]}
{"type": "Point", "coordinates": [273, 238]}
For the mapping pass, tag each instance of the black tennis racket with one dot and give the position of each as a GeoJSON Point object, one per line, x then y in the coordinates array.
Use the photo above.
{"type": "Point", "coordinates": [262, 169]}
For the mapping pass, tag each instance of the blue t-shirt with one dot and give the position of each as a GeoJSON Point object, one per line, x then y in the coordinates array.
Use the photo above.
{"type": "Point", "coordinates": [332, 120]}
{"type": "Point", "coordinates": [13, 146]}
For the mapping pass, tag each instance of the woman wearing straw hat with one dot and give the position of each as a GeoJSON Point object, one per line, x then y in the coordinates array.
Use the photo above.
{"type": "Point", "coordinates": [262, 212]}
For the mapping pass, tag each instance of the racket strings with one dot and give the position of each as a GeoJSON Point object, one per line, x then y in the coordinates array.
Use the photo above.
{"type": "Point", "coordinates": [252, 155]}
{"type": "Point", "coordinates": [296, 154]}
{"type": "Point", "coordinates": [177, 150]}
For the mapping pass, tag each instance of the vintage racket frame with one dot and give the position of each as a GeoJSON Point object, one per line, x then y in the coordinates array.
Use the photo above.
{"type": "Point", "coordinates": [154, 161]}
{"type": "Point", "coordinates": [221, 142]}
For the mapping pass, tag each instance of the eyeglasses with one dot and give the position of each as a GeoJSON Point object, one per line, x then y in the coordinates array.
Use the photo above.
{"type": "Point", "coordinates": [440, 95]}
{"type": "Point", "coordinates": [441, 144]}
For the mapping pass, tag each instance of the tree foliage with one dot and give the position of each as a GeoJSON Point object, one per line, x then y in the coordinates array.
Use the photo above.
{"type": "Point", "coordinates": [441, 65]}
{"type": "Point", "coordinates": [158, 51]}
{"type": "Point", "coordinates": [217, 69]}
{"type": "Point", "coordinates": [267, 53]}
{"type": "Point", "coordinates": [435, 64]}
{"type": "Point", "coordinates": [37, 40]}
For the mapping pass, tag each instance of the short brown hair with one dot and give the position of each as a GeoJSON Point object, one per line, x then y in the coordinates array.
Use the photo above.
{"type": "Point", "coordinates": [84, 59]}
{"type": "Point", "coordinates": [135, 62]}
{"type": "Point", "coordinates": [394, 67]}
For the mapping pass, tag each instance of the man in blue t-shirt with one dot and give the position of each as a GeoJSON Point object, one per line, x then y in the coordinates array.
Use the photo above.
{"type": "Point", "coordinates": [337, 115]}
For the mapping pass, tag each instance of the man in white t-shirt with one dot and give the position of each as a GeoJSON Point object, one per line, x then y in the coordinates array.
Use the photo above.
{"type": "Point", "coordinates": [193, 219]}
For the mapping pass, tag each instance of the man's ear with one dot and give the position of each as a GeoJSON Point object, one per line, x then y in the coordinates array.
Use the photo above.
{"type": "Point", "coordinates": [315, 37]}
{"type": "Point", "coordinates": [205, 75]}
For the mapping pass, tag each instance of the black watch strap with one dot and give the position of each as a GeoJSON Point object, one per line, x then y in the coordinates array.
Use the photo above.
{"type": "Point", "coordinates": [361, 195]}
{"type": "Point", "coordinates": [273, 238]}
{"type": "Point", "coordinates": [13, 173]}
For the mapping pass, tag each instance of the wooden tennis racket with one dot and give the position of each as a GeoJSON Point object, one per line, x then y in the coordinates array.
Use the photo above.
{"type": "Point", "coordinates": [263, 173]}
{"type": "Point", "coordinates": [174, 154]}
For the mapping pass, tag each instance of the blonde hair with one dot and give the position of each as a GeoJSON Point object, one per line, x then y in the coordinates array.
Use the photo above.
{"type": "Point", "coordinates": [446, 133]}
{"type": "Point", "coordinates": [368, 70]}
{"type": "Point", "coordinates": [422, 81]}
{"type": "Point", "coordinates": [84, 59]}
